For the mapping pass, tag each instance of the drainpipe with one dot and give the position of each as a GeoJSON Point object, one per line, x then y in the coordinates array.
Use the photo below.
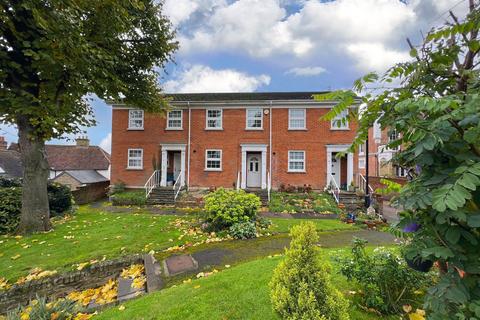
{"type": "Point", "coordinates": [188, 154]}
{"type": "Point", "coordinates": [270, 145]}
{"type": "Point", "coordinates": [367, 190]}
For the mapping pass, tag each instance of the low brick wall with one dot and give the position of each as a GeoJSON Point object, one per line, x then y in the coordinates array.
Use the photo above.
{"type": "Point", "coordinates": [91, 192]}
{"type": "Point", "coordinates": [59, 286]}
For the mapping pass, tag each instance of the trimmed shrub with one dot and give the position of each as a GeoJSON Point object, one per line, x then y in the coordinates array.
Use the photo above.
{"type": "Point", "coordinates": [223, 208]}
{"type": "Point", "coordinates": [301, 287]}
{"type": "Point", "coordinates": [386, 282]}
{"type": "Point", "coordinates": [59, 199]}
{"type": "Point", "coordinates": [243, 230]}
{"type": "Point", "coordinates": [129, 198]}
{"type": "Point", "coordinates": [8, 182]}
{"type": "Point", "coordinates": [10, 207]}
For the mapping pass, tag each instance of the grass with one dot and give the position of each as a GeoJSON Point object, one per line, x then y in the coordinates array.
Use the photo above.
{"type": "Point", "coordinates": [286, 202]}
{"type": "Point", "coordinates": [135, 197]}
{"type": "Point", "coordinates": [93, 234]}
{"type": "Point", "coordinates": [240, 292]}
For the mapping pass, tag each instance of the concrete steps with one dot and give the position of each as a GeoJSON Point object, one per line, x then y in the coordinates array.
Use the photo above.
{"type": "Point", "coordinates": [162, 196]}
{"type": "Point", "coordinates": [261, 193]}
{"type": "Point", "coordinates": [351, 201]}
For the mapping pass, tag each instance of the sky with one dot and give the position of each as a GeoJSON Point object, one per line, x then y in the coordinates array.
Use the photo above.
{"type": "Point", "coordinates": [281, 45]}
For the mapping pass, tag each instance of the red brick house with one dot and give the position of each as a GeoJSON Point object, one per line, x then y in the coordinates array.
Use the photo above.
{"type": "Point", "coordinates": [244, 140]}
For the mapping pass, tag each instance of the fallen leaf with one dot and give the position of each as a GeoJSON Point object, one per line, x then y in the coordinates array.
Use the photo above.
{"type": "Point", "coordinates": [121, 308]}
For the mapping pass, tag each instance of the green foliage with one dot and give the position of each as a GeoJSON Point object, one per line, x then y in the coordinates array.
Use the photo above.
{"type": "Point", "coordinates": [243, 230]}
{"type": "Point", "coordinates": [301, 287]}
{"type": "Point", "coordinates": [127, 198]}
{"type": "Point", "coordinates": [436, 111]}
{"type": "Point", "coordinates": [59, 198]}
{"type": "Point", "coordinates": [118, 187]}
{"type": "Point", "coordinates": [287, 202]}
{"type": "Point", "coordinates": [385, 280]}
{"type": "Point", "coordinates": [10, 206]}
{"type": "Point", "coordinates": [223, 208]}
{"type": "Point", "coordinates": [62, 309]}
{"type": "Point", "coordinates": [7, 182]}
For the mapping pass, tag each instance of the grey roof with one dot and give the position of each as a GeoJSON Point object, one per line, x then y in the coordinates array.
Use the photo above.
{"type": "Point", "coordinates": [86, 176]}
{"type": "Point", "coordinates": [11, 164]}
{"type": "Point", "coordinates": [243, 96]}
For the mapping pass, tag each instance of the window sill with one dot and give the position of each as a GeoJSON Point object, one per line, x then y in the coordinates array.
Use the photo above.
{"type": "Point", "coordinates": [173, 129]}
{"type": "Point", "coordinates": [339, 129]}
{"type": "Point", "coordinates": [297, 129]}
{"type": "Point", "coordinates": [254, 129]}
{"type": "Point", "coordinates": [213, 129]}
{"type": "Point", "coordinates": [135, 129]}
{"type": "Point", "coordinates": [135, 169]}
{"type": "Point", "coordinates": [296, 171]}
{"type": "Point", "coordinates": [213, 170]}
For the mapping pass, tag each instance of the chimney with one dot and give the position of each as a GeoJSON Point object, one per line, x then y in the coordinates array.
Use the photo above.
{"type": "Point", "coordinates": [3, 143]}
{"type": "Point", "coordinates": [82, 141]}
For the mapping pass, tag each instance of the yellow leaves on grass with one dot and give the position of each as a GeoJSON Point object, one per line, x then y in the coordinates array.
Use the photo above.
{"type": "Point", "coordinates": [419, 314]}
{"type": "Point", "coordinates": [121, 308]}
{"type": "Point", "coordinates": [83, 316]}
{"type": "Point", "coordinates": [15, 257]}
{"type": "Point", "coordinates": [4, 285]}
{"type": "Point", "coordinates": [35, 274]}
{"type": "Point", "coordinates": [83, 265]}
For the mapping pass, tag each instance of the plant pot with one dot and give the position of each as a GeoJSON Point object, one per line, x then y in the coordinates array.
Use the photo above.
{"type": "Point", "coordinates": [420, 265]}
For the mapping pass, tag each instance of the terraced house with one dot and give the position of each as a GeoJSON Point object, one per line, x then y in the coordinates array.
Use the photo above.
{"type": "Point", "coordinates": [233, 140]}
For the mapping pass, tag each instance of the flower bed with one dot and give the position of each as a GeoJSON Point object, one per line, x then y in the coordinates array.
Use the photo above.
{"type": "Point", "coordinates": [311, 202]}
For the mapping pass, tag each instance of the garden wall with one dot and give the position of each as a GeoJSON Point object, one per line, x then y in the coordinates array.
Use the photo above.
{"type": "Point", "coordinates": [91, 192]}
{"type": "Point", "coordinates": [60, 285]}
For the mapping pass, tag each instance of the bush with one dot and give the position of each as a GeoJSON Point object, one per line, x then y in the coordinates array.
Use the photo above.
{"type": "Point", "coordinates": [263, 223]}
{"type": "Point", "coordinates": [8, 182]}
{"type": "Point", "coordinates": [386, 282]}
{"type": "Point", "coordinates": [10, 207]}
{"type": "Point", "coordinates": [62, 309]}
{"type": "Point", "coordinates": [301, 287]}
{"type": "Point", "coordinates": [243, 230]}
{"type": "Point", "coordinates": [59, 199]}
{"type": "Point", "coordinates": [135, 198]}
{"type": "Point", "coordinates": [223, 208]}
{"type": "Point", "coordinates": [118, 187]}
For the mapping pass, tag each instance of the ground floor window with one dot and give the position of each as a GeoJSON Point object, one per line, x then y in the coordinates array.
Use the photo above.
{"type": "Point", "coordinates": [361, 163]}
{"type": "Point", "coordinates": [296, 161]}
{"type": "Point", "coordinates": [213, 160]}
{"type": "Point", "coordinates": [135, 159]}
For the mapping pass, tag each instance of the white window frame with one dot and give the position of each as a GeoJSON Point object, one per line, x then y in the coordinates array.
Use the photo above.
{"type": "Point", "coordinates": [168, 127]}
{"type": "Point", "coordinates": [132, 119]}
{"type": "Point", "coordinates": [361, 149]}
{"type": "Point", "coordinates": [213, 159]}
{"type": "Point", "coordinates": [338, 119]}
{"type": "Point", "coordinates": [361, 163]}
{"type": "Point", "coordinates": [207, 117]}
{"type": "Point", "coordinates": [304, 118]}
{"type": "Point", "coordinates": [135, 158]}
{"type": "Point", "coordinates": [247, 117]}
{"type": "Point", "coordinates": [296, 160]}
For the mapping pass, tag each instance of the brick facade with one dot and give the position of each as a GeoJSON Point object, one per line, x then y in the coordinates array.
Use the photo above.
{"type": "Point", "coordinates": [313, 140]}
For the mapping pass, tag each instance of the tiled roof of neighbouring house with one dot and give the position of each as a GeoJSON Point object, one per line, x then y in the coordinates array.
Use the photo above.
{"type": "Point", "coordinates": [10, 164]}
{"type": "Point", "coordinates": [66, 157]}
{"type": "Point", "coordinates": [243, 96]}
{"type": "Point", "coordinates": [86, 176]}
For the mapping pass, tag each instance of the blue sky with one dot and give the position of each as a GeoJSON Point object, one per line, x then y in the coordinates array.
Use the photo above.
{"type": "Point", "coordinates": [282, 45]}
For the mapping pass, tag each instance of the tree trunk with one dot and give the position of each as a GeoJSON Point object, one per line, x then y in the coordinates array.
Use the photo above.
{"type": "Point", "coordinates": [35, 216]}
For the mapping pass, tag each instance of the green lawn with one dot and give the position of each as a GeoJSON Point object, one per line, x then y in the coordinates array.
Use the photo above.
{"type": "Point", "coordinates": [284, 225]}
{"type": "Point", "coordinates": [240, 292]}
{"type": "Point", "coordinates": [92, 234]}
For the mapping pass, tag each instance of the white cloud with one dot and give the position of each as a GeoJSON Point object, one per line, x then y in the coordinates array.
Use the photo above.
{"type": "Point", "coordinates": [200, 78]}
{"type": "Point", "coordinates": [179, 10]}
{"type": "Point", "coordinates": [306, 71]}
{"type": "Point", "coordinates": [375, 56]}
{"type": "Point", "coordinates": [106, 143]}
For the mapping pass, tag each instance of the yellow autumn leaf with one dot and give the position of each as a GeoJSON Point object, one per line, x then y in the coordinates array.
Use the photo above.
{"type": "Point", "coordinates": [407, 308]}
{"type": "Point", "coordinates": [415, 316]}
{"type": "Point", "coordinates": [196, 287]}
{"type": "Point", "coordinates": [15, 257]}
{"type": "Point", "coordinates": [121, 308]}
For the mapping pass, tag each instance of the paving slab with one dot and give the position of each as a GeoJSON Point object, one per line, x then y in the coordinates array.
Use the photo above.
{"type": "Point", "coordinates": [180, 264]}
{"type": "Point", "coordinates": [125, 289]}
{"type": "Point", "coordinates": [152, 273]}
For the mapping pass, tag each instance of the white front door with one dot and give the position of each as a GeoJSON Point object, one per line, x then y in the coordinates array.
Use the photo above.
{"type": "Point", "coordinates": [254, 171]}
{"type": "Point", "coordinates": [177, 161]}
{"type": "Point", "coordinates": [336, 169]}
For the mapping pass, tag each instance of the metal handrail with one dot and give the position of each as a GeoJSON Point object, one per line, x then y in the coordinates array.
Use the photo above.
{"type": "Point", "coordinates": [238, 181]}
{"type": "Point", "coordinates": [178, 185]}
{"type": "Point", "coordinates": [336, 189]}
{"type": "Point", "coordinates": [363, 183]}
{"type": "Point", "coordinates": [269, 184]}
{"type": "Point", "coordinates": [152, 182]}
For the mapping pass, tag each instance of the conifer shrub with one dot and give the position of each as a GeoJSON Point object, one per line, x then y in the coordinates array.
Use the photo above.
{"type": "Point", "coordinates": [301, 287]}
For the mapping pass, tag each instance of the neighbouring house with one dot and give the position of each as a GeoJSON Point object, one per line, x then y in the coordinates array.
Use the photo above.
{"type": "Point", "coordinates": [10, 162]}
{"type": "Point", "coordinates": [233, 140]}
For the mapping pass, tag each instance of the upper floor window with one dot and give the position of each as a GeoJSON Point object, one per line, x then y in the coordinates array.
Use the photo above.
{"type": "Point", "coordinates": [361, 148]}
{"type": "Point", "coordinates": [175, 120]}
{"type": "Point", "coordinates": [296, 161]}
{"type": "Point", "coordinates": [340, 122]}
{"type": "Point", "coordinates": [361, 163]}
{"type": "Point", "coordinates": [135, 119]}
{"type": "Point", "coordinates": [213, 160]}
{"type": "Point", "coordinates": [135, 159]}
{"type": "Point", "coordinates": [254, 119]}
{"type": "Point", "coordinates": [214, 119]}
{"type": "Point", "coordinates": [296, 119]}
